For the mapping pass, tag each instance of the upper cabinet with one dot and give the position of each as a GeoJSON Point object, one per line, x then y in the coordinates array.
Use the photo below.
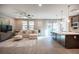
{"type": "Point", "coordinates": [74, 23]}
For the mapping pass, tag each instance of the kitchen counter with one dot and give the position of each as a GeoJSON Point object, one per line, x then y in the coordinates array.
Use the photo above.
{"type": "Point", "coordinates": [67, 33]}
{"type": "Point", "coordinates": [67, 39]}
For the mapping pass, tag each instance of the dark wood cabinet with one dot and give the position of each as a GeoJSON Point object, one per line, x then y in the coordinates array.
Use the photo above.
{"type": "Point", "coordinates": [72, 41]}
{"type": "Point", "coordinates": [67, 40]}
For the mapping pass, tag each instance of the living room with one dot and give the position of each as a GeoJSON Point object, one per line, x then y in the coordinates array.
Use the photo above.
{"type": "Point", "coordinates": [33, 28]}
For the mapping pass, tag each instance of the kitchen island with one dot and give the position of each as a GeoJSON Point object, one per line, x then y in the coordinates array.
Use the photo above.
{"type": "Point", "coordinates": [67, 39]}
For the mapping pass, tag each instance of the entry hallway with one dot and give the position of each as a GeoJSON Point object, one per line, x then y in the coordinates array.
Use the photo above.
{"type": "Point", "coordinates": [43, 45]}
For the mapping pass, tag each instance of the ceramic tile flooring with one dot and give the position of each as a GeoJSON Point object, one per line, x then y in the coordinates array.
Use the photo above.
{"type": "Point", "coordinates": [42, 45]}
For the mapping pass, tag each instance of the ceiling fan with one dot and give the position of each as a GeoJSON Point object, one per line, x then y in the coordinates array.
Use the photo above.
{"type": "Point", "coordinates": [24, 14]}
{"type": "Point", "coordinates": [75, 10]}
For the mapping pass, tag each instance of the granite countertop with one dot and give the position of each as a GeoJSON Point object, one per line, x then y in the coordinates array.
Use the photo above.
{"type": "Point", "coordinates": [67, 33]}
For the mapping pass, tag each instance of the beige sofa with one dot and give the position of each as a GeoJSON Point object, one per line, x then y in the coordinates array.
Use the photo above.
{"type": "Point", "coordinates": [31, 34]}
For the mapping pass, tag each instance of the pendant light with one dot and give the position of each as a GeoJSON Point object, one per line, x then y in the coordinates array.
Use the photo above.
{"type": "Point", "coordinates": [68, 18]}
{"type": "Point", "coordinates": [68, 13]}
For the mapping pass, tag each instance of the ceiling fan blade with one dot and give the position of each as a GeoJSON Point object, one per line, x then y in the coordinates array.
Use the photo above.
{"type": "Point", "coordinates": [73, 10]}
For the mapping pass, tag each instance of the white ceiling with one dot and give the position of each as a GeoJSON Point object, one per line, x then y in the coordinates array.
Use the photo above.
{"type": "Point", "coordinates": [46, 11]}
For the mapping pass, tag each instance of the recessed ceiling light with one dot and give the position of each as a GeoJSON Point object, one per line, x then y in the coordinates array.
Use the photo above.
{"type": "Point", "coordinates": [39, 5]}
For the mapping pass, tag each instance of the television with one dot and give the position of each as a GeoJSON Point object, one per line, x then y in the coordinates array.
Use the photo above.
{"type": "Point", "coordinates": [5, 28]}
{"type": "Point", "coordinates": [0, 28]}
{"type": "Point", "coordinates": [9, 27]}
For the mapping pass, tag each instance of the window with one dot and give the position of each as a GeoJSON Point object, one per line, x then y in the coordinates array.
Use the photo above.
{"type": "Point", "coordinates": [31, 25]}
{"type": "Point", "coordinates": [24, 25]}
